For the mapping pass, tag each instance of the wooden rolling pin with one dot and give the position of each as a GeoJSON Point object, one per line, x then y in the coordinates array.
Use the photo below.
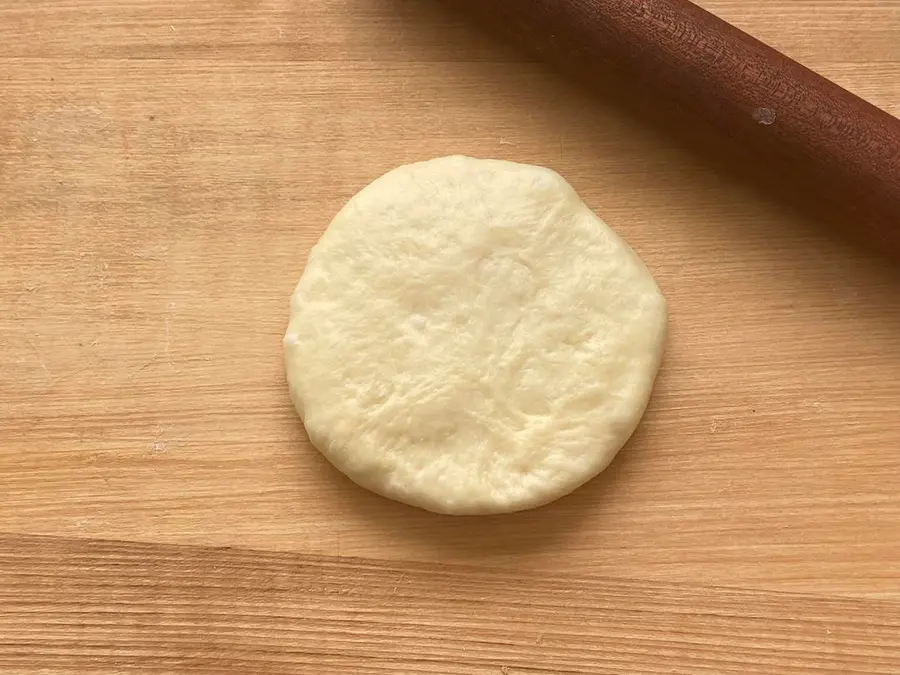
{"type": "Point", "coordinates": [847, 148]}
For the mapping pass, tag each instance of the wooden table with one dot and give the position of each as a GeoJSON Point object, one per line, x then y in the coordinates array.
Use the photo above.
{"type": "Point", "coordinates": [165, 167]}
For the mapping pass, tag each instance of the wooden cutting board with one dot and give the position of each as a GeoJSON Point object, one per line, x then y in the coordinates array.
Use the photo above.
{"type": "Point", "coordinates": [164, 169]}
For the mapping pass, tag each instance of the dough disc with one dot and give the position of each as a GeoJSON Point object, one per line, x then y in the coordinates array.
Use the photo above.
{"type": "Point", "coordinates": [468, 337]}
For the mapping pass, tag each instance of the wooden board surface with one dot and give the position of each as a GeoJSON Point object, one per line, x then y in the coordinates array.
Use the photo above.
{"type": "Point", "coordinates": [164, 168]}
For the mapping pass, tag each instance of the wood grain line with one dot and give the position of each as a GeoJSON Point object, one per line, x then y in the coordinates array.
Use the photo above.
{"type": "Point", "coordinates": [75, 606]}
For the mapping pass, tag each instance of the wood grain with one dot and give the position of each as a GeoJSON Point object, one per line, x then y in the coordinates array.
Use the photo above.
{"type": "Point", "coordinates": [99, 607]}
{"type": "Point", "coordinates": [830, 139]}
{"type": "Point", "coordinates": [164, 169]}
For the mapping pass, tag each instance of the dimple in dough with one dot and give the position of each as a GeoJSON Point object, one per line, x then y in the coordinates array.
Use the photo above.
{"type": "Point", "coordinates": [468, 337]}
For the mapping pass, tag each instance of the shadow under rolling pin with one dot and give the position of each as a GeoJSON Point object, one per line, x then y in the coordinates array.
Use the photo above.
{"type": "Point", "coordinates": [845, 148]}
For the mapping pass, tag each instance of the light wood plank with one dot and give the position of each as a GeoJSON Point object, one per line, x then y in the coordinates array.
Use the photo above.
{"type": "Point", "coordinates": [107, 607]}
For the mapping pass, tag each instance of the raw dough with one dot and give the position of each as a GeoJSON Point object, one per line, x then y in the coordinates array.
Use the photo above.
{"type": "Point", "coordinates": [468, 337]}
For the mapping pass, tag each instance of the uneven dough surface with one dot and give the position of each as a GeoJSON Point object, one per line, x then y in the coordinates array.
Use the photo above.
{"type": "Point", "coordinates": [468, 337]}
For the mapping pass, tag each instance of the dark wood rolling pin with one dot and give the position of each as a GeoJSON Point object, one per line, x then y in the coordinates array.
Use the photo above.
{"type": "Point", "coordinates": [848, 149]}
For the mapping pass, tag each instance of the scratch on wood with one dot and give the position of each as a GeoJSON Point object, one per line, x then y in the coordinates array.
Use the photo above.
{"type": "Point", "coordinates": [155, 253]}
{"type": "Point", "coordinates": [40, 360]}
{"type": "Point", "coordinates": [143, 366]}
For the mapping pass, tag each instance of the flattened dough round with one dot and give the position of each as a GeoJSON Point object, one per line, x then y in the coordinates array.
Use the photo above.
{"type": "Point", "coordinates": [468, 337]}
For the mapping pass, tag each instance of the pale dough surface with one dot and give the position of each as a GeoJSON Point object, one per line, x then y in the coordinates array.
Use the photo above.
{"type": "Point", "coordinates": [468, 337]}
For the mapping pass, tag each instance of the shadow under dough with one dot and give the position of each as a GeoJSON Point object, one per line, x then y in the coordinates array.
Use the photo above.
{"type": "Point", "coordinates": [462, 538]}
